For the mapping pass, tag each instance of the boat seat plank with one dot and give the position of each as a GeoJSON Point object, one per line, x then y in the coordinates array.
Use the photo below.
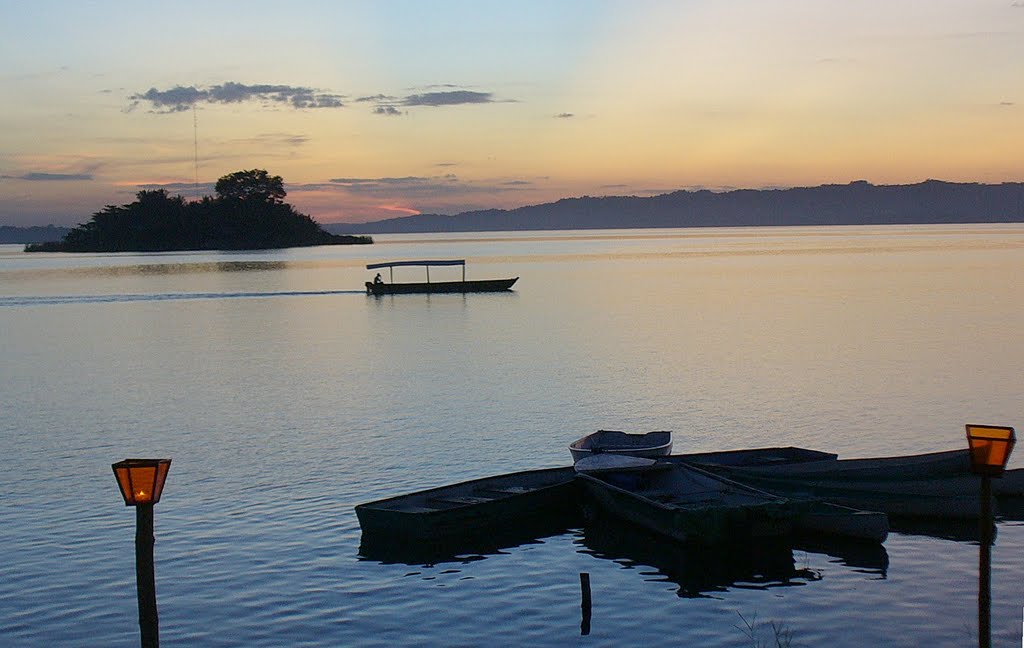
{"type": "Point", "coordinates": [462, 499]}
{"type": "Point", "coordinates": [409, 508]}
{"type": "Point", "coordinates": [507, 490]}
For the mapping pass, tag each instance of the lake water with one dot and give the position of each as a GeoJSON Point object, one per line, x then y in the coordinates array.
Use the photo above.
{"type": "Point", "coordinates": [286, 396]}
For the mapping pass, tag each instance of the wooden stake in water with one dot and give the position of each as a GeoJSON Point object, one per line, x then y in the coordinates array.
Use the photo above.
{"type": "Point", "coordinates": [585, 603]}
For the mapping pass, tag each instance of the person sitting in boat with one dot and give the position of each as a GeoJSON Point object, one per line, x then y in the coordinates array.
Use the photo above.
{"type": "Point", "coordinates": [377, 279]}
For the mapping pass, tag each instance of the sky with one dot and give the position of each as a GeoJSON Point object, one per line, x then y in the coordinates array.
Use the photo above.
{"type": "Point", "coordinates": [378, 109]}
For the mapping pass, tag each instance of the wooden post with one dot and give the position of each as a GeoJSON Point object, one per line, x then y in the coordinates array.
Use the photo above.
{"type": "Point", "coordinates": [145, 580]}
{"type": "Point", "coordinates": [585, 603]}
{"type": "Point", "coordinates": [985, 566]}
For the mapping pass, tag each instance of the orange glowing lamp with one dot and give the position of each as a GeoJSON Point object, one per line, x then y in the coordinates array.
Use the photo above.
{"type": "Point", "coordinates": [141, 480]}
{"type": "Point", "coordinates": [990, 447]}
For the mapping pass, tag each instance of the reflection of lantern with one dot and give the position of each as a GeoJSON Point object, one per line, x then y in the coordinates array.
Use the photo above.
{"type": "Point", "coordinates": [990, 446]}
{"type": "Point", "coordinates": [142, 482]}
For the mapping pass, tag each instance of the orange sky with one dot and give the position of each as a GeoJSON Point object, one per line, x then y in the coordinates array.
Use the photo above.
{"type": "Point", "coordinates": [376, 110]}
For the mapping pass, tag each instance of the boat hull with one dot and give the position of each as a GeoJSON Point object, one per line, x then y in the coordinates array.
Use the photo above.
{"type": "Point", "coordinates": [480, 506]}
{"type": "Point", "coordinates": [826, 519]}
{"type": "Point", "coordinates": [482, 285]}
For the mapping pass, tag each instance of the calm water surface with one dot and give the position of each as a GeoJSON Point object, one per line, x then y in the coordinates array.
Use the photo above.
{"type": "Point", "coordinates": [286, 396]}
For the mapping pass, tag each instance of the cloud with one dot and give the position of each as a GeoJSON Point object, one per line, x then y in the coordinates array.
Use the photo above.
{"type": "Point", "coordinates": [420, 187]}
{"type": "Point", "coordinates": [405, 185]}
{"type": "Point", "coordinates": [182, 98]}
{"type": "Point", "coordinates": [385, 109]}
{"type": "Point", "coordinates": [180, 188]}
{"type": "Point", "coordinates": [448, 98]}
{"type": "Point", "coordinates": [564, 116]}
{"type": "Point", "coordinates": [35, 176]}
{"type": "Point", "coordinates": [390, 105]}
{"type": "Point", "coordinates": [378, 98]}
{"type": "Point", "coordinates": [272, 139]}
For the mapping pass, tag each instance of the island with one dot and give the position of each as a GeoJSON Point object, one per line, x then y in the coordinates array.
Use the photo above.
{"type": "Point", "coordinates": [248, 213]}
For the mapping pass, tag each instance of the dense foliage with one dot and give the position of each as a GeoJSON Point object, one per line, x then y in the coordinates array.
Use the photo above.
{"type": "Point", "coordinates": [248, 213]}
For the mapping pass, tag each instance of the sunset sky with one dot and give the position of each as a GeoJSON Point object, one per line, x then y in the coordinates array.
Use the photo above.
{"type": "Point", "coordinates": [371, 110]}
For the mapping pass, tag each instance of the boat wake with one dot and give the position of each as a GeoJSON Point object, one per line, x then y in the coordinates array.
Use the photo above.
{"type": "Point", "coordinates": [54, 300]}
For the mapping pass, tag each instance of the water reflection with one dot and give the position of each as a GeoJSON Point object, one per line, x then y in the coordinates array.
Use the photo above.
{"type": "Point", "coordinates": [698, 572]}
{"type": "Point", "coordinates": [463, 550]}
{"type": "Point", "coordinates": [865, 557]}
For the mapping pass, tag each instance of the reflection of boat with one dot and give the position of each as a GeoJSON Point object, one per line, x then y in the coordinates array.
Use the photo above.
{"type": "Point", "coordinates": [689, 504]}
{"type": "Point", "coordinates": [652, 444]}
{"type": "Point", "coordinates": [459, 548]}
{"type": "Point", "coordinates": [477, 506]}
{"type": "Point", "coordinates": [867, 557]}
{"type": "Point", "coordinates": [697, 571]}
{"type": "Point", "coordinates": [379, 287]}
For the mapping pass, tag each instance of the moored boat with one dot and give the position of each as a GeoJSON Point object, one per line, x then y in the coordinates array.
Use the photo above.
{"type": "Point", "coordinates": [688, 504]}
{"type": "Point", "coordinates": [651, 444]}
{"type": "Point", "coordinates": [472, 507]}
{"type": "Point", "coordinates": [379, 287]}
{"type": "Point", "coordinates": [937, 484]}
{"type": "Point", "coordinates": [808, 515]}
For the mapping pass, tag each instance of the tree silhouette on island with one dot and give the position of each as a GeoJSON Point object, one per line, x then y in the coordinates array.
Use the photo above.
{"type": "Point", "coordinates": [248, 213]}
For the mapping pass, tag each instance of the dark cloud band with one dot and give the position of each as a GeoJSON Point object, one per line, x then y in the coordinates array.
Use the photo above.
{"type": "Point", "coordinates": [181, 98]}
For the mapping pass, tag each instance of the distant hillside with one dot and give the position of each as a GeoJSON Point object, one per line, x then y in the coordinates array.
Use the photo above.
{"type": "Point", "coordinates": [10, 234]}
{"type": "Point", "coordinates": [857, 203]}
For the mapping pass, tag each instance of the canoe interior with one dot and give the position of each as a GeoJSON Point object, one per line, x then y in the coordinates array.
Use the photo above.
{"type": "Point", "coordinates": [689, 505]}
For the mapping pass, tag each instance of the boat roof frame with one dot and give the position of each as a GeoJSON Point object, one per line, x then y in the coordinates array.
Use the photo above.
{"type": "Point", "coordinates": [395, 264]}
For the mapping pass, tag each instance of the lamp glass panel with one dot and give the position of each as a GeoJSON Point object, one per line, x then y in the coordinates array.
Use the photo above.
{"type": "Point", "coordinates": [160, 479]}
{"type": "Point", "coordinates": [124, 482]}
{"type": "Point", "coordinates": [143, 480]}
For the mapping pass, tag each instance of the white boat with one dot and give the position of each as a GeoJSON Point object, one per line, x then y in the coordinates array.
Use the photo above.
{"type": "Point", "coordinates": [652, 444]}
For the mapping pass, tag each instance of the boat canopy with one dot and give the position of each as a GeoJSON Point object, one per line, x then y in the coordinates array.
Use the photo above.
{"type": "Point", "coordinates": [393, 264]}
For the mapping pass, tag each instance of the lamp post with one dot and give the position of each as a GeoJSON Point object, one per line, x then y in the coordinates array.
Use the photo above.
{"type": "Point", "coordinates": [142, 482]}
{"type": "Point", "coordinates": [990, 448]}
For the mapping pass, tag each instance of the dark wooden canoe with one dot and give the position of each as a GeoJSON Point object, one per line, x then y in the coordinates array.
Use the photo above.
{"type": "Point", "coordinates": [761, 457]}
{"type": "Point", "coordinates": [690, 505]}
{"type": "Point", "coordinates": [474, 507]}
